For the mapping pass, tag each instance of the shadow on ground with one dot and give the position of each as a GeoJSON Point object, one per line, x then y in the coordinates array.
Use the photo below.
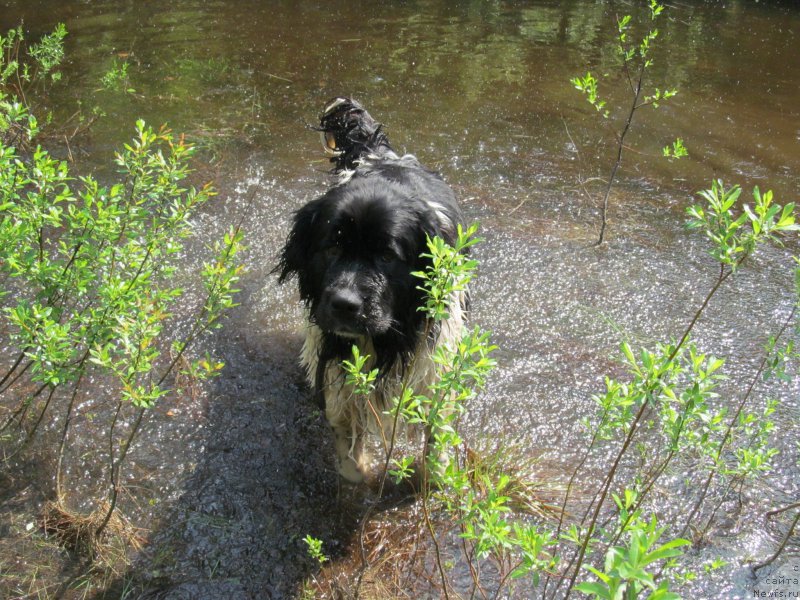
{"type": "Point", "coordinates": [265, 479]}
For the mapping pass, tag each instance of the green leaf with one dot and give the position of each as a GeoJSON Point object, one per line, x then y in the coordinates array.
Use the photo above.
{"type": "Point", "coordinates": [594, 589]}
{"type": "Point", "coordinates": [667, 550]}
{"type": "Point", "coordinates": [628, 352]}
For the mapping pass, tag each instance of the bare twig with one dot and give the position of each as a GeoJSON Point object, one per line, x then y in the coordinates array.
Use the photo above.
{"type": "Point", "coordinates": [618, 161]}
{"type": "Point", "coordinates": [782, 546]}
{"type": "Point", "coordinates": [783, 509]}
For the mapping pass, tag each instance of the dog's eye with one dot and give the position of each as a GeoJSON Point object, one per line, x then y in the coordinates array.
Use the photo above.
{"type": "Point", "coordinates": [388, 256]}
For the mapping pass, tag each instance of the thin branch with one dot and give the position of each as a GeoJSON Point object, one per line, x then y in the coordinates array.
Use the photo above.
{"type": "Point", "coordinates": [783, 509]}
{"type": "Point", "coordinates": [11, 371]}
{"type": "Point", "coordinates": [431, 530]}
{"type": "Point", "coordinates": [604, 493]}
{"type": "Point", "coordinates": [726, 438]}
{"type": "Point", "coordinates": [618, 162]}
{"type": "Point", "coordinates": [115, 465]}
{"type": "Point", "coordinates": [65, 431]}
{"type": "Point", "coordinates": [783, 544]}
{"type": "Point", "coordinates": [724, 274]}
{"type": "Point", "coordinates": [17, 376]}
{"type": "Point", "coordinates": [568, 491]}
{"type": "Point", "coordinates": [32, 432]}
{"type": "Point", "coordinates": [23, 407]}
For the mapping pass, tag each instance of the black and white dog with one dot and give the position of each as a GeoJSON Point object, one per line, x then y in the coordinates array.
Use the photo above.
{"type": "Point", "coordinates": [353, 251]}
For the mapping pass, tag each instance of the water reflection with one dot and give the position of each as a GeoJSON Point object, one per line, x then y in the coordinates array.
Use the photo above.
{"type": "Point", "coordinates": [476, 74]}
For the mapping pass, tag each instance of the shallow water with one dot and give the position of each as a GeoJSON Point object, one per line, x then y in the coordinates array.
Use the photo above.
{"type": "Point", "coordinates": [479, 91]}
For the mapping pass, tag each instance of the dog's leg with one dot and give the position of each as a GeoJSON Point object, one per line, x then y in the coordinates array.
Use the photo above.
{"type": "Point", "coordinates": [348, 450]}
{"type": "Point", "coordinates": [346, 462]}
{"type": "Point", "coordinates": [329, 395]}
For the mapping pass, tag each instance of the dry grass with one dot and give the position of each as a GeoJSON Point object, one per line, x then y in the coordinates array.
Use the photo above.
{"type": "Point", "coordinates": [529, 491]}
{"type": "Point", "coordinates": [391, 557]}
{"type": "Point", "coordinates": [78, 532]}
{"type": "Point", "coordinates": [386, 561]}
{"type": "Point", "coordinates": [63, 557]}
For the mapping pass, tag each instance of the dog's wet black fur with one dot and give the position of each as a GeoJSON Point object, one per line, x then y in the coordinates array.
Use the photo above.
{"type": "Point", "coordinates": [354, 249]}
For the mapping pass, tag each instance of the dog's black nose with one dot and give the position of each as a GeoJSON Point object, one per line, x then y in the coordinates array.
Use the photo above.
{"type": "Point", "coordinates": [346, 302]}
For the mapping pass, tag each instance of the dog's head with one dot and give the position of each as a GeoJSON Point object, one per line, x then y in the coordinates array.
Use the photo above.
{"type": "Point", "coordinates": [349, 133]}
{"type": "Point", "coordinates": [354, 249]}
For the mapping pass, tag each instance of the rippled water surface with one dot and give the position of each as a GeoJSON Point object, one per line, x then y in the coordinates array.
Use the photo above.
{"type": "Point", "coordinates": [231, 478]}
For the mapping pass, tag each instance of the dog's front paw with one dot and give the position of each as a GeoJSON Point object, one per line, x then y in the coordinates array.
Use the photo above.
{"type": "Point", "coordinates": [349, 470]}
{"type": "Point", "coordinates": [347, 454]}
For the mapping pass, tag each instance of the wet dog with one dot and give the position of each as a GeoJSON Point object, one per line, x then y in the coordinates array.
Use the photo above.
{"type": "Point", "coordinates": [353, 251]}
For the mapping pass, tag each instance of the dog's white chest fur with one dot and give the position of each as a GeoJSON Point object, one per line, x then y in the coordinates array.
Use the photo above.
{"type": "Point", "coordinates": [352, 416]}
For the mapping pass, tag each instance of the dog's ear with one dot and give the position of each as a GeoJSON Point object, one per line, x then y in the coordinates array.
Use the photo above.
{"type": "Point", "coordinates": [296, 253]}
{"type": "Point", "coordinates": [441, 223]}
{"type": "Point", "coordinates": [446, 228]}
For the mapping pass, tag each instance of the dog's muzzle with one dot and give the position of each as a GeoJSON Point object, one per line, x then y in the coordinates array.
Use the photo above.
{"type": "Point", "coordinates": [342, 313]}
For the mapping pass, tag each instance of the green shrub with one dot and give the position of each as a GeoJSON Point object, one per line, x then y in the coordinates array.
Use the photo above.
{"type": "Point", "coordinates": [90, 283]}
